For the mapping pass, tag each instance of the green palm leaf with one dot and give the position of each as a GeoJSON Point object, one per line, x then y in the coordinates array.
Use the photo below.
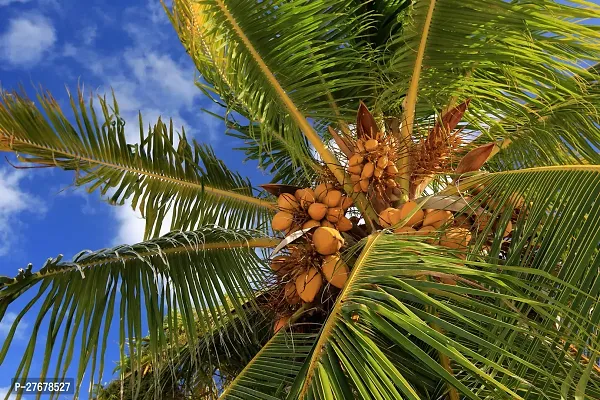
{"type": "Point", "coordinates": [516, 61]}
{"type": "Point", "coordinates": [183, 280]}
{"type": "Point", "coordinates": [157, 174]}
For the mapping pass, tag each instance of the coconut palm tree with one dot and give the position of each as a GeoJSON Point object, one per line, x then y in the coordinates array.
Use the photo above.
{"type": "Point", "coordinates": [442, 242]}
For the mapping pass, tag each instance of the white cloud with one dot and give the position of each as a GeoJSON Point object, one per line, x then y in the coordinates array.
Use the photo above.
{"type": "Point", "coordinates": [13, 202]}
{"type": "Point", "coordinates": [6, 324]}
{"type": "Point", "coordinates": [4, 391]}
{"type": "Point", "coordinates": [132, 225]}
{"type": "Point", "coordinates": [27, 40]}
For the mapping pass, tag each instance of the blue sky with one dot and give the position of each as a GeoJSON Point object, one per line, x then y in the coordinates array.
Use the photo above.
{"type": "Point", "coordinates": [129, 46]}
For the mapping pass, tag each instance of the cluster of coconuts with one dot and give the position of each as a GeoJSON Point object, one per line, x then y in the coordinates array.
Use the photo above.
{"type": "Point", "coordinates": [374, 163]}
{"type": "Point", "coordinates": [308, 208]}
{"type": "Point", "coordinates": [427, 222]}
{"type": "Point", "coordinates": [306, 268]}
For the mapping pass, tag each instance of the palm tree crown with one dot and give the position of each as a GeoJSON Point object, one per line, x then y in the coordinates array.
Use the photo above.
{"type": "Point", "coordinates": [431, 231]}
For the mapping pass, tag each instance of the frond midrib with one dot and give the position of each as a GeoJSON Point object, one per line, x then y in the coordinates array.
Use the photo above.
{"type": "Point", "coordinates": [251, 243]}
{"type": "Point", "coordinates": [176, 181]}
{"type": "Point", "coordinates": [333, 316]}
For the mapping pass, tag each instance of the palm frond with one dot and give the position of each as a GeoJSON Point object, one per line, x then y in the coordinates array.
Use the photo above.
{"type": "Point", "coordinates": [185, 280]}
{"type": "Point", "coordinates": [516, 61]}
{"type": "Point", "coordinates": [200, 369]}
{"type": "Point", "coordinates": [272, 371]}
{"type": "Point", "coordinates": [250, 49]}
{"type": "Point", "coordinates": [157, 174]}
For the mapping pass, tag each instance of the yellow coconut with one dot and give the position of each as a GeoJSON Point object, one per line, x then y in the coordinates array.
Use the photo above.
{"type": "Point", "coordinates": [305, 196]}
{"type": "Point", "coordinates": [356, 159]}
{"type": "Point", "coordinates": [378, 173]}
{"type": "Point", "coordinates": [346, 202]}
{"type": "Point", "coordinates": [405, 230]}
{"type": "Point", "coordinates": [357, 188]}
{"type": "Point", "coordinates": [461, 220]}
{"type": "Point", "coordinates": [382, 162]}
{"type": "Point", "coordinates": [406, 209]}
{"type": "Point", "coordinates": [355, 169]}
{"type": "Point", "coordinates": [333, 198]}
{"type": "Point", "coordinates": [391, 169]}
{"type": "Point", "coordinates": [367, 170]}
{"type": "Point", "coordinates": [327, 240]}
{"type": "Point", "coordinates": [291, 295]}
{"type": "Point", "coordinates": [344, 224]}
{"type": "Point", "coordinates": [287, 202]}
{"type": "Point", "coordinates": [355, 178]}
{"type": "Point", "coordinates": [456, 238]}
{"type": "Point", "coordinates": [508, 229]}
{"type": "Point", "coordinates": [435, 217]}
{"type": "Point", "coordinates": [390, 183]}
{"type": "Point", "coordinates": [281, 322]}
{"type": "Point", "coordinates": [278, 262]}
{"type": "Point", "coordinates": [428, 231]}
{"type": "Point", "coordinates": [335, 270]}
{"type": "Point", "coordinates": [364, 185]}
{"type": "Point", "coordinates": [328, 224]}
{"type": "Point", "coordinates": [483, 220]}
{"type": "Point", "coordinates": [385, 217]}
{"type": "Point", "coordinates": [317, 211]}
{"type": "Point", "coordinates": [311, 223]}
{"type": "Point", "coordinates": [321, 191]}
{"type": "Point", "coordinates": [282, 221]}
{"type": "Point", "coordinates": [309, 284]}
{"type": "Point", "coordinates": [334, 214]}
{"type": "Point", "coordinates": [371, 145]}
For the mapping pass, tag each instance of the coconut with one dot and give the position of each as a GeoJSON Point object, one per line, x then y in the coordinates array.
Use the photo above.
{"type": "Point", "coordinates": [344, 224]}
{"type": "Point", "coordinates": [357, 187]}
{"type": "Point", "coordinates": [385, 217]}
{"type": "Point", "coordinates": [356, 159]}
{"type": "Point", "coordinates": [405, 230]}
{"type": "Point", "coordinates": [390, 183]}
{"type": "Point", "coordinates": [456, 238]}
{"type": "Point", "coordinates": [335, 270]}
{"type": "Point", "coordinates": [355, 178]}
{"type": "Point", "coordinates": [346, 202]}
{"type": "Point", "coordinates": [278, 262]}
{"type": "Point", "coordinates": [391, 169]}
{"type": "Point", "coordinates": [382, 162]}
{"type": "Point", "coordinates": [317, 211]}
{"type": "Point", "coordinates": [327, 224]}
{"type": "Point", "coordinates": [333, 198]}
{"type": "Point", "coordinates": [483, 220]}
{"type": "Point", "coordinates": [311, 223]}
{"type": "Point", "coordinates": [406, 209]}
{"type": "Point", "coordinates": [282, 221]}
{"type": "Point", "coordinates": [334, 214]}
{"type": "Point", "coordinates": [321, 190]}
{"type": "Point", "coordinates": [287, 201]}
{"type": "Point", "coordinates": [291, 295]}
{"type": "Point", "coordinates": [427, 231]}
{"type": "Point", "coordinates": [309, 284]}
{"type": "Point", "coordinates": [508, 229]}
{"type": "Point", "coordinates": [305, 196]}
{"type": "Point", "coordinates": [280, 323]}
{"type": "Point", "coordinates": [367, 170]}
{"type": "Point", "coordinates": [461, 220]}
{"type": "Point", "coordinates": [355, 169]}
{"type": "Point", "coordinates": [371, 145]}
{"type": "Point", "coordinates": [327, 240]}
{"type": "Point", "coordinates": [378, 173]}
{"type": "Point", "coordinates": [435, 216]}
{"type": "Point", "coordinates": [364, 185]}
